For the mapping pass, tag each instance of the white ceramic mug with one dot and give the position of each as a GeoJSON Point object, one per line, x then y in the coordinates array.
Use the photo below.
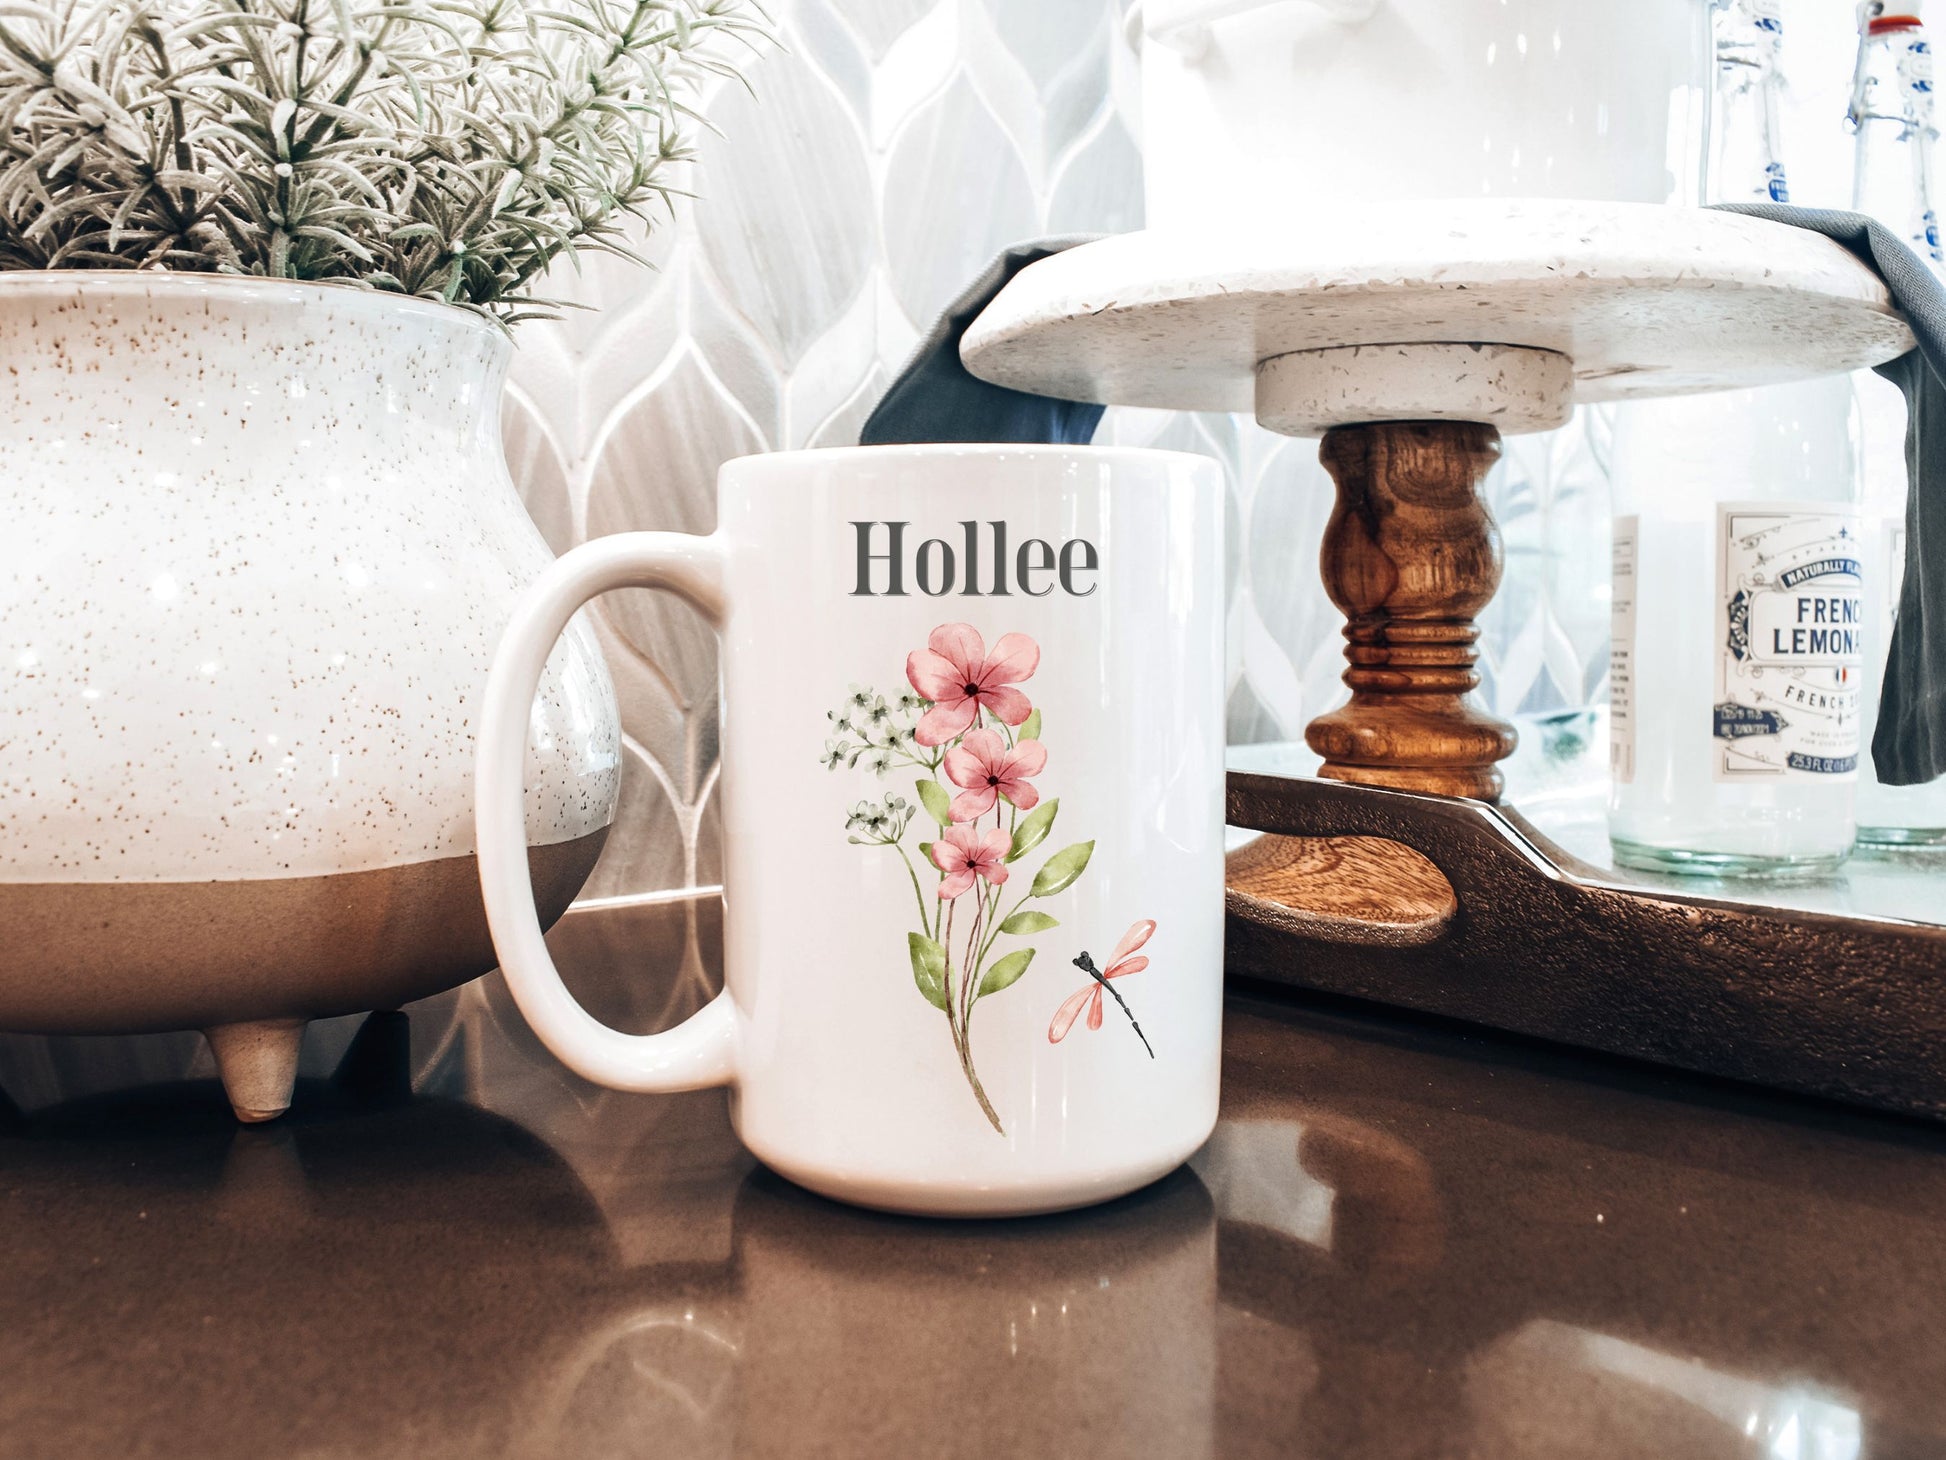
{"type": "Point", "coordinates": [972, 720]}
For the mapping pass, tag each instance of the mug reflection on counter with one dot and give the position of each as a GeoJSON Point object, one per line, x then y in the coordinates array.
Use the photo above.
{"type": "Point", "coordinates": [1098, 1332]}
{"type": "Point", "coordinates": [1088, 1333]}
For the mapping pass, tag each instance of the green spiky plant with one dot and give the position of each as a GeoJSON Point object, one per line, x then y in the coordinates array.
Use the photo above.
{"type": "Point", "coordinates": [447, 149]}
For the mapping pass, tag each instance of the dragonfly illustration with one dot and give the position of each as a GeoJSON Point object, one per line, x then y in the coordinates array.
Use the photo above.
{"type": "Point", "coordinates": [1122, 962]}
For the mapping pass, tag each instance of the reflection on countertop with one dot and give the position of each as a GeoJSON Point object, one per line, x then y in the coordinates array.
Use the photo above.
{"type": "Point", "coordinates": [1402, 1242]}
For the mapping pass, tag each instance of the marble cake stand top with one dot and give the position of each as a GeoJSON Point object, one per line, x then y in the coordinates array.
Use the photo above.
{"type": "Point", "coordinates": [1634, 299]}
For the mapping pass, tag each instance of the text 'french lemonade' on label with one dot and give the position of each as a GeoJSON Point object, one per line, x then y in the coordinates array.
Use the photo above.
{"type": "Point", "coordinates": [1790, 630]}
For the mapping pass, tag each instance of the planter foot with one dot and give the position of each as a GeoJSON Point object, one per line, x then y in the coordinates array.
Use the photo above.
{"type": "Point", "coordinates": [258, 1064]}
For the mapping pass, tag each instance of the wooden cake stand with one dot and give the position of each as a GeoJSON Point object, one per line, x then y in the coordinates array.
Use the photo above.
{"type": "Point", "coordinates": [1410, 336]}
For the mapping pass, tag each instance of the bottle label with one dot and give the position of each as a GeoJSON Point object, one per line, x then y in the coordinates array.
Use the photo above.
{"type": "Point", "coordinates": [1789, 624]}
{"type": "Point", "coordinates": [1621, 651]}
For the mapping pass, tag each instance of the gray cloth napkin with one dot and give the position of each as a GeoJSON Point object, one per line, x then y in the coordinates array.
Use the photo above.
{"type": "Point", "coordinates": [936, 398]}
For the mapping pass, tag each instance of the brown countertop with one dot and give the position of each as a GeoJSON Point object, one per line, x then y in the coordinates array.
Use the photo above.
{"type": "Point", "coordinates": [1404, 1241]}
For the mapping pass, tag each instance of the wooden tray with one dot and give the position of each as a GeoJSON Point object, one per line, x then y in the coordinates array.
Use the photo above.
{"type": "Point", "coordinates": [1469, 911]}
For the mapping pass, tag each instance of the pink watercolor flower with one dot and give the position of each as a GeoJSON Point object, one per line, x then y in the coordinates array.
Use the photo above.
{"type": "Point", "coordinates": [986, 766]}
{"type": "Point", "coordinates": [962, 854]}
{"type": "Point", "coordinates": [956, 673]}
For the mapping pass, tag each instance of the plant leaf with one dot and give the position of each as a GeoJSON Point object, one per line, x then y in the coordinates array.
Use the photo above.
{"type": "Point", "coordinates": [1029, 922]}
{"type": "Point", "coordinates": [1033, 831]}
{"type": "Point", "coordinates": [1030, 728]}
{"type": "Point", "coordinates": [928, 968]}
{"type": "Point", "coordinates": [1060, 870]}
{"type": "Point", "coordinates": [933, 797]}
{"type": "Point", "coordinates": [259, 137]}
{"type": "Point", "coordinates": [925, 850]}
{"type": "Point", "coordinates": [1006, 972]}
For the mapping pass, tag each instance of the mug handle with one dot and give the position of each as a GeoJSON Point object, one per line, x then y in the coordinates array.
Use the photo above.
{"type": "Point", "coordinates": [699, 1052]}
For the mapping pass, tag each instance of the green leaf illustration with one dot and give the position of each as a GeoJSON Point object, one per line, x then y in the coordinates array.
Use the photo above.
{"type": "Point", "coordinates": [1005, 973]}
{"type": "Point", "coordinates": [933, 797]}
{"type": "Point", "coordinates": [925, 850]}
{"type": "Point", "coordinates": [1033, 831]}
{"type": "Point", "coordinates": [1029, 922]}
{"type": "Point", "coordinates": [1030, 728]}
{"type": "Point", "coordinates": [929, 968]}
{"type": "Point", "coordinates": [1060, 870]}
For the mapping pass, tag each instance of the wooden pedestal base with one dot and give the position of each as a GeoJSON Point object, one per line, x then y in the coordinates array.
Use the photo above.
{"type": "Point", "coordinates": [1411, 555]}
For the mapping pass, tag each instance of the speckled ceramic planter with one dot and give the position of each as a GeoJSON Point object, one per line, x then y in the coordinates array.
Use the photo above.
{"type": "Point", "coordinates": [257, 544]}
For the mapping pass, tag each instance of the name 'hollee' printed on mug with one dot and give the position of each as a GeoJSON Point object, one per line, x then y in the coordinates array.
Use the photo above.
{"type": "Point", "coordinates": [933, 566]}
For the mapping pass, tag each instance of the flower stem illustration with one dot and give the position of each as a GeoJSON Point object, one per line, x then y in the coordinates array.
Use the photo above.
{"type": "Point", "coordinates": [976, 739]}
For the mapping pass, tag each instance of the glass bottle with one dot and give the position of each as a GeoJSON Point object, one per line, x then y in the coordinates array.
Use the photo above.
{"type": "Point", "coordinates": [1746, 164]}
{"type": "Point", "coordinates": [1891, 117]}
{"type": "Point", "coordinates": [1736, 640]}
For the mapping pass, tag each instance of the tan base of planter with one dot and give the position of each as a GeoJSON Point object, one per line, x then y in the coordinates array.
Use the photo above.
{"type": "Point", "coordinates": [250, 962]}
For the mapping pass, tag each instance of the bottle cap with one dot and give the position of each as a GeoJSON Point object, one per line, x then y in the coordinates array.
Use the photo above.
{"type": "Point", "coordinates": [1893, 22]}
